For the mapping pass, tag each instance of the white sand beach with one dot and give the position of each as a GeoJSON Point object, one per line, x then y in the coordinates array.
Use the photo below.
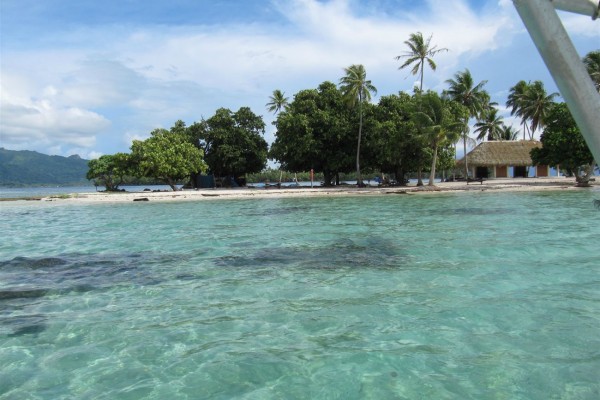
{"type": "Point", "coordinates": [491, 185]}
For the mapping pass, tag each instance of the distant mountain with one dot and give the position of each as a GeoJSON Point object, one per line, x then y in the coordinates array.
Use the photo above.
{"type": "Point", "coordinates": [25, 168]}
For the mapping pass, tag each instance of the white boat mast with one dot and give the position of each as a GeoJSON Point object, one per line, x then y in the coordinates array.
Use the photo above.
{"type": "Point", "coordinates": [563, 61]}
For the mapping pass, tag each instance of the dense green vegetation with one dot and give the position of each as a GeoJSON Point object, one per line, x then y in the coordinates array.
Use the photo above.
{"type": "Point", "coordinates": [335, 131]}
{"type": "Point", "coordinates": [167, 156]}
{"type": "Point", "coordinates": [232, 142]}
{"type": "Point", "coordinates": [30, 168]}
{"type": "Point", "coordinates": [563, 144]}
{"type": "Point", "coordinates": [592, 64]}
{"type": "Point", "coordinates": [315, 132]}
{"type": "Point", "coordinates": [228, 145]}
{"type": "Point", "coordinates": [110, 170]}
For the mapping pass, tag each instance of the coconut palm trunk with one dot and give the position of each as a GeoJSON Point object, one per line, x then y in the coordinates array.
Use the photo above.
{"type": "Point", "coordinates": [473, 97]}
{"type": "Point", "coordinates": [432, 173]}
{"type": "Point", "coordinates": [466, 159]}
{"type": "Point", "coordinates": [356, 88]}
{"type": "Point", "coordinates": [359, 181]}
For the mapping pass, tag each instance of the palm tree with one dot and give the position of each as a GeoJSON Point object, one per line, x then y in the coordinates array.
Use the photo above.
{"type": "Point", "coordinates": [464, 91]}
{"type": "Point", "coordinates": [277, 102]}
{"type": "Point", "coordinates": [420, 51]}
{"type": "Point", "coordinates": [508, 133]}
{"type": "Point", "coordinates": [515, 102]}
{"type": "Point", "coordinates": [592, 63]}
{"type": "Point", "coordinates": [437, 124]}
{"type": "Point", "coordinates": [490, 125]}
{"type": "Point", "coordinates": [535, 105]}
{"type": "Point", "coordinates": [357, 89]}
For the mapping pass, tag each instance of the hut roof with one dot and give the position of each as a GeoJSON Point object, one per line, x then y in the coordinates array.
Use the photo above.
{"type": "Point", "coordinates": [509, 152]}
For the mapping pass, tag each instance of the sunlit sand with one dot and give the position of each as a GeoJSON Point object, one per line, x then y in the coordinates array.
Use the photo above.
{"type": "Point", "coordinates": [491, 185]}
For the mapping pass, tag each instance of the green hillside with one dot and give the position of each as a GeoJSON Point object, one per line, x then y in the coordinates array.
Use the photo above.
{"type": "Point", "coordinates": [24, 168]}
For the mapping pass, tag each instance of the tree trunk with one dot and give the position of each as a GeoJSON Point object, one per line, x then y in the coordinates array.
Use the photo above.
{"type": "Point", "coordinates": [455, 160]}
{"type": "Point", "coordinates": [466, 161]}
{"type": "Point", "coordinates": [531, 134]}
{"type": "Point", "coordinates": [359, 181]}
{"type": "Point", "coordinates": [172, 184]}
{"type": "Point", "coordinates": [420, 176]}
{"type": "Point", "coordinates": [194, 180]}
{"type": "Point", "coordinates": [432, 173]}
{"type": "Point", "coordinates": [399, 175]}
{"type": "Point", "coordinates": [327, 177]}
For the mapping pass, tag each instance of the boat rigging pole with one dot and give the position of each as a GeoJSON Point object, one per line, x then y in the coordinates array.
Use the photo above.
{"type": "Point", "coordinates": [563, 61]}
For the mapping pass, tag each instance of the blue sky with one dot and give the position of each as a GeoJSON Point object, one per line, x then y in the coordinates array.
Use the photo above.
{"type": "Point", "coordinates": [87, 77]}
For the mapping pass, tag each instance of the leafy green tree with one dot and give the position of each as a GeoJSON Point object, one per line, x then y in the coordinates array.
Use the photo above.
{"type": "Point", "coordinates": [446, 159]}
{"type": "Point", "coordinates": [420, 51]}
{"type": "Point", "coordinates": [277, 101]}
{"type": "Point", "coordinates": [459, 130]}
{"type": "Point", "coordinates": [167, 156]}
{"type": "Point", "coordinates": [592, 64]}
{"type": "Point", "coordinates": [232, 142]}
{"type": "Point", "coordinates": [489, 125]}
{"type": "Point", "coordinates": [394, 143]}
{"type": "Point", "coordinates": [357, 91]}
{"type": "Point", "coordinates": [473, 97]}
{"type": "Point", "coordinates": [314, 132]}
{"type": "Point", "coordinates": [179, 128]}
{"type": "Point", "coordinates": [563, 144]}
{"type": "Point", "coordinates": [110, 170]}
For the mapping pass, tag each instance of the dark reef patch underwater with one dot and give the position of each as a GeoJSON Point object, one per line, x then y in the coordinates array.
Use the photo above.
{"type": "Point", "coordinates": [25, 281]}
{"type": "Point", "coordinates": [370, 252]}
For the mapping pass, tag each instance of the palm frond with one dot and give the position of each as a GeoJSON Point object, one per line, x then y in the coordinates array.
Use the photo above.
{"type": "Point", "coordinates": [432, 64]}
{"type": "Point", "coordinates": [420, 51]}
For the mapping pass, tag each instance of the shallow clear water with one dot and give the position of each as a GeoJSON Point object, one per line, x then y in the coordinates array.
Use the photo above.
{"type": "Point", "coordinates": [462, 296]}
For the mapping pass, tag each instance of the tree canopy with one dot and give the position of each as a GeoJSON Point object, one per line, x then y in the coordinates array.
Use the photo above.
{"type": "Point", "coordinates": [167, 156]}
{"type": "Point", "coordinates": [439, 121]}
{"type": "Point", "coordinates": [394, 146]}
{"type": "Point", "coordinates": [490, 125]}
{"type": "Point", "coordinates": [563, 144]}
{"type": "Point", "coordinates": [592, 64]}
{"type": "Point", "coordinates": [232, 142]}
{"type": "Point", "coordinates": [110, 170]}
{"type": "Point", "coordinates": [314, 132]}
{"type": "Point", "coordinates": [277, 101]}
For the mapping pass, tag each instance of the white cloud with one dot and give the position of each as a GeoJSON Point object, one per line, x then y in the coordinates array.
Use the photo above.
{"type": "Point", "coordinates": [101, 82]}
{"type": "Point", "coordinates": [580, 25]}
{"type": "Point", "coordinates": [320, 40]}
{"type": "Point", "coordinates": [38, 123]}
{"type": "Point", "coordinates": [123, 84]}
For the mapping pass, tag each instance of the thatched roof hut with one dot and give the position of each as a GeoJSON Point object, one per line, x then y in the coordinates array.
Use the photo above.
{"type": "Point", "coordinates": [493, 159]}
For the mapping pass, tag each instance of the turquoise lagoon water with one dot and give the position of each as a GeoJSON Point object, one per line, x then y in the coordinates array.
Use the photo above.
{"type": "Point", "coordinates": [462, 296]}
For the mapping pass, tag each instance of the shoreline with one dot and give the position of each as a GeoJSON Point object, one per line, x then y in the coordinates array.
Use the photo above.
{"type": "Point", "coordinates": [491, 185]}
